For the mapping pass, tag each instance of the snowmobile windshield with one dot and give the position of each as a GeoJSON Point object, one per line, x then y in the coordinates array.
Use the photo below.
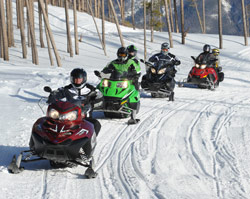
{"type": "Point", "coordinates": [118, 76]}
{"type": "Point", "coordinates": [163, 64]}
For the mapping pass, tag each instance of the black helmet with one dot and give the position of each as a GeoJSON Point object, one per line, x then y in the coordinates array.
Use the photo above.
{"type": "Point", "coordinates": [132, 50]}
{"type": "Point", "coordinates": [78, 78]}
{"type": "Point", "coordinates": [164, 48]}
{"type": "Point", "coordinates": [206, 48]}
{"type": "Point", "coordinates": [122, 54]}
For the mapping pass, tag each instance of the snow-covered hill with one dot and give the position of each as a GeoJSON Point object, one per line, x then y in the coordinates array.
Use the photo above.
{"type": "Point", "coordinates": [195, 147]}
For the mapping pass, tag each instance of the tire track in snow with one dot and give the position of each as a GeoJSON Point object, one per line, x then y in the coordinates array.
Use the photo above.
{"type": "Point", "coordinates": [222, 152]}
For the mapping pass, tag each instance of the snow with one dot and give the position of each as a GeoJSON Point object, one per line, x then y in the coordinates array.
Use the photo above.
{"type": "Point", "coordinates": [195, 147]}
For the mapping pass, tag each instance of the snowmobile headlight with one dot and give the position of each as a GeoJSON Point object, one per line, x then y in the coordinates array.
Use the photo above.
{"type": "Point", "coordinates": [160, 72]}
{"type": "Point", "coordinates": [105, 83]}
{"type": "Point", "coordinates": [153, 70]}
{"type": "Point", "coordinates": [54, 114]}
{"type": "Point", "coordinates": [69, 116]}
{"type": "Point", "coordinates": [203, 66]}
{"type": "Point", "coordinates": [122, 84]}
{"type": "Point", "coordinates": [197, 65]}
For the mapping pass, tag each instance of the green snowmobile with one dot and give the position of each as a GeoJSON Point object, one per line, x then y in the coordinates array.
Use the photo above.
{"type": "Point", "coordinates": [121, 99]}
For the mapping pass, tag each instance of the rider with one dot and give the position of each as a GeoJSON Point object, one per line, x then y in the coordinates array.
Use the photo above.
{"type": "Point", "coordinates": [123, 64]}
{"type": "Point", "coordinates": [207, 56]}
{"type": "Point", "coordinates": [79, 89]}
{"type": "Point", "coordinates": [132, 52]}
{"type": "Point", "coordinates": [216, 53]}
{"type": "Point", "coordinates": [166, 55]}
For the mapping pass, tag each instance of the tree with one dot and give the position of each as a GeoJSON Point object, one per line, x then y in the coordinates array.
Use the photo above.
{"type": "Point", "coordinates": [182, 23]}
{"type": "Point", "coordinates": [244, 22]}
{"type": "Point", "coordinates": [220, 24]}
{"type": "Point", "coordinates": [176, 17]}
{"type": "Point", "coordinates": [194, 4]}
{"type": "Point", "coordinates": [204, 16]}
{"type": "Point", "coordinates": [168, 24]}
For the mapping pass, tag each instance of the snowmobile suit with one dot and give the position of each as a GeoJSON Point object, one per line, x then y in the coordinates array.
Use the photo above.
{"type": "Point", "coordinates": [128, 66]}
{"type": "Point", "coordinates": [207, 57]}
{"type": "Point", "coordinates": [169, 56]}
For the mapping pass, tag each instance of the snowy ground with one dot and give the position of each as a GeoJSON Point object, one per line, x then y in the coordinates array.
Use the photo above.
{"type": "Point", "coordinates": [195, 147]}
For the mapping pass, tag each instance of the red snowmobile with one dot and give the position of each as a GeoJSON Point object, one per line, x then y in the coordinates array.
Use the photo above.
{"type": "Point", "coordinates": [63, 137]}
{"type": "Point", "coordinates": [202, 76]}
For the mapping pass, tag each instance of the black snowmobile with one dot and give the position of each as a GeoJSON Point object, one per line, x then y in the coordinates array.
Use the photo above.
{"type": "Point", "coordinates": [159, 79]}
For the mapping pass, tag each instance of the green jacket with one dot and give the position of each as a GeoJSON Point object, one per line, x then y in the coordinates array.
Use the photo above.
{"type": "Point", "coordinates": [127, 66]}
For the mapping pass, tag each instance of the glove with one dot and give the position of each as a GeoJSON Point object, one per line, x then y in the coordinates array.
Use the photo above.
{"type": "Point", "coordinates": [177, 62]}
{"type": "Point", "coordinates": [51, 98]}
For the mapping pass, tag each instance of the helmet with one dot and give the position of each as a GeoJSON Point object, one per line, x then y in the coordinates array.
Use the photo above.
{"type": "Point", "coordinates": [122, 54]}
{"type": "Point", "coordinates": [78, 78]}
{"type": "Point", "coordinates": [206, 48]}
{"type": "Point", "coordinates": [164, 48]}
{"type": "Point", "coordinates": [132, 50]}
{"type": "Point", "coordinates": [216, 51]}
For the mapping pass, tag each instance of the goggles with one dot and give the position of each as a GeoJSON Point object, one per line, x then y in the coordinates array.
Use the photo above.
{"type": "Point", "coordinates": [122, 55]}
{"type": "Point", "coordinates": [164, 49]}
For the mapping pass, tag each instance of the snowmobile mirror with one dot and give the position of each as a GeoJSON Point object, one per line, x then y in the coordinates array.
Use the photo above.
{"type": "Point", "coordinates": [47, 89]}
{"type": "Point", "coordinates": [97, 73]}
{"type": "Point", "coordinates": [193, 58]}
{"type": "Point", "coordinates": [141, 60]}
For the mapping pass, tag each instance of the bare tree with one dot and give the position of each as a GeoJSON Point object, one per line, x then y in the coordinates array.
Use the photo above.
{"type": "Point", "coordinates": [4, 37]}
{"type": "Point", "coordinates": [40, 26]}
{"type": "Point", "coordinates": [41, 2]}
{"type": "Point", "coordinates": [204, 16]}
{"type": "Point", "coordinates": [103, 26]}
{"type": "Point", "coordinates": [76, 29]}
{"type": "Point", "coordinates": [244, 22]}
{"type": "Point", "coordinates": [182, 23]}
{"type": "Point", "coordinates": [176, 17]}
{"type": "Point", "coordinates": [97, 30]}
{"type": "Point", "coordinates": [151, 24]}
{"type": "Point", "coordinates": [171, 15]}
{"type": "Point", "coordinates": [132, 13]}
{"type": "Point", "coordinates": [220, 24]}
{"type": "Point", "coordinates": [168, 24]}
{"type": "Point", "coordinates": [117, 23]}
{"type": "Point", "coordinates": [194, 4]}
{"type": "Point", "coordinates": [32, 32]}
{"type": "Point", "coordinates": [22, 31]}
{"type": "Point", "coordinates": [69, 43]}
{"type": "Point", "coordinates": [145, 24]}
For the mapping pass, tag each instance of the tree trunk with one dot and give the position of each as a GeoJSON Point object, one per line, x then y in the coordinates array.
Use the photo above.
{"type": "Point", "coordinates": [76, 30]}
{"type": "Point", "coordinates": [132, 13]}
{"type": "Point", "coordinates": [50, 33]}
{"type": "Point", "coordinates": [4, 32]}
{"type": "Point", "coordinates": [69, 40]}
{"type": "Point", "coordinates": [244, 22]}
{"type": "Point", "coordinates": [182, 23]}
{"type": "Point", "coordinates": [151, 24]}
{"type": "Point", "coordinates": [145, 35]}
{"type": "Point", "coordinates": [47, 35]}
{"type": "Point", "coordinates": [117, 23]}
{"type": "Point", "coordinates": [204, 16]}
{"type": "Point", "coordinates": [198, 14]}
{"type": "Point", "coordinates": [171, 15]}
{"type": "Point", "coordinates": [176, 17]}
{"type": "Point", "coordinates": [103, 26]}
{"type": "Point", "coordinates": [40, 27]}
{"type": "Point", "coordinates": [32, 32]}
{"type": "Point", "coordinates": [22, 29]}
{"type": "Point", "coordinates": [168, 24]}
{"type": "Point", "coordinates": [220, 24]}
{"type": "Point", "coordinates": [104, 49]}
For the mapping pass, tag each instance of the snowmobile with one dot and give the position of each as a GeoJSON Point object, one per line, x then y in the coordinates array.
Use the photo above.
{"type": "Point", "coordinates": [159, 79]}
{"type": "Point", "coordinates": [63, 137]}
{"type": "Point", "coordinates": [121, 99]}
{"type": "Point", "coordinates": [203, 76]}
